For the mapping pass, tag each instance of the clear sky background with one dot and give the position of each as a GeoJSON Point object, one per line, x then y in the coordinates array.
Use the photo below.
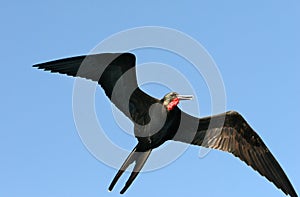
{"type": "Point", "coordinates": [255, 45]}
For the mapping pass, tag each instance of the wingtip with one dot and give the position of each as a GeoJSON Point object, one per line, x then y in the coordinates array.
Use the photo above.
{"type": "Point", "coordinates": [293, 193]}
{"type": "Point", "coordinates": [36, 66]}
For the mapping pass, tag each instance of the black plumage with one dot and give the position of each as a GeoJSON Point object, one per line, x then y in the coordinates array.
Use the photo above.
{"type": "Point", "coordinates": [158, 120]}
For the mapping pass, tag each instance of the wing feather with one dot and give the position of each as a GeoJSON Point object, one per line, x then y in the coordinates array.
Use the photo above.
{"type": "Point", "coordinates": [237, 137]}
{"type": "Point", "coordinates": [115, 73]}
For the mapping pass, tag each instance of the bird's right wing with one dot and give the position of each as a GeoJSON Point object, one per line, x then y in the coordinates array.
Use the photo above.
{"type": "Point", "coordinates": [114, 72]}
{"type": "Point", "coordinates": [231, 133]}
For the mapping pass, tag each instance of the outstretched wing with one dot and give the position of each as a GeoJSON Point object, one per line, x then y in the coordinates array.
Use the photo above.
{"type": "Point", "coordinates": [231, 133]}
{"type": "Point", "coordinates": [115, 72]}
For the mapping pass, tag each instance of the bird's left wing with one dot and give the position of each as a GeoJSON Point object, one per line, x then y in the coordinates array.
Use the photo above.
{"type": "Point", "coordinates": [231, 133]}
{"type": "Point", "coordinates": [114, 72]}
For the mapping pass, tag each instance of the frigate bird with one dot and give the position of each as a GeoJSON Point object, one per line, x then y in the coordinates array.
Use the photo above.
{"type": "Point", "coordinates": [159, 120]}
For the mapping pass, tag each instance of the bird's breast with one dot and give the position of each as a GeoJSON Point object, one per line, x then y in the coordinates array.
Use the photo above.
{"type": "Point", "coordinates": [161, 127]}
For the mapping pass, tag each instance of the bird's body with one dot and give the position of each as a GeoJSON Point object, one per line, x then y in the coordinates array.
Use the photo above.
{"type": "Point", "coordinates": [162, 127]}
{"type": "Point", "coordinates": [159, 120]}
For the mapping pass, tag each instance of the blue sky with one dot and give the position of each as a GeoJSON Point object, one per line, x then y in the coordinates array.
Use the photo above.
{"type": "Point", "coordinates": [255, 45]}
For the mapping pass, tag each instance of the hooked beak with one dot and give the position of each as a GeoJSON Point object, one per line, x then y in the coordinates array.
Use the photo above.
{"type": "Point", "coordinates": [185, 97]}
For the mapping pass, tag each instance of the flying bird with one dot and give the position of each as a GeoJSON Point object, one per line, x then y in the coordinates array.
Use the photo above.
{"type": "Point", "coordinates": [159, 120]}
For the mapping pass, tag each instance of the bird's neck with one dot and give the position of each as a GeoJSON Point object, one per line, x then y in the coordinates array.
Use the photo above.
{"type": "Point", "coordinates": [172, 104]}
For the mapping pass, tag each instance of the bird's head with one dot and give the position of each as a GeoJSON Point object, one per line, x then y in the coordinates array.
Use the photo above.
{"type": "Point", "coordinates": [172, 99]}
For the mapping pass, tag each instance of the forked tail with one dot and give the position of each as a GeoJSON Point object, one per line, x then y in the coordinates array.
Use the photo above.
{"type": "Point", "coordinates": [139, 158]}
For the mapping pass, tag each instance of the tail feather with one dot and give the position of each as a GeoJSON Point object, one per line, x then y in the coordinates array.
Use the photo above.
{"type": "Point", "coordinates": [140, 159]}
{"type": "Point", "coordinates": [130, 159]}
